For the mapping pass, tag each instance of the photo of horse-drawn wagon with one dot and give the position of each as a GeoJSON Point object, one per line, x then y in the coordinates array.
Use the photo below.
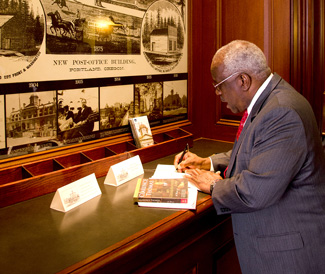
{"type": "Point", "coordinates": [80, 28]}
{"type": "Point", "coordinates": [98, 30]}
{"type": "Point", "coordinates": [61, 27]}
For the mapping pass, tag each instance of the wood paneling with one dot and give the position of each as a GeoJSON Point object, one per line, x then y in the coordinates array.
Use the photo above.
{"type": "Point", "coordinates": [266, 23]}
{"type": "Point", "coordinates": [307, 55]}
{"type": "Point", "coordinates": [242, 20]}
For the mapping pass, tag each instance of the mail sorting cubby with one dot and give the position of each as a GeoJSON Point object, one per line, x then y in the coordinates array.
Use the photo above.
{"type": "Point", "coordinates": [29, 180]}
{"type": "Point", "coordinates": [74, 159]}
{"type": "Point", "coordinates": [122, 147]}
{"type": "Point", "coordinates": [177, 133]}
{"type": "Point", "coordinates": [98, 153]}
{"type": "Point", "coordinates": [159, 138]}
{"type": "Point", "coordinates": [44, 167]}
{"type": "Point", "coordinates": [14, 174]}
{"type": "Point", "coordinates": [96, 160]}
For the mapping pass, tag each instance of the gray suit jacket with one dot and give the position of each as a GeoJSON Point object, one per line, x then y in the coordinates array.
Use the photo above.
{"type": "Point", "coordinates": [275, 189]}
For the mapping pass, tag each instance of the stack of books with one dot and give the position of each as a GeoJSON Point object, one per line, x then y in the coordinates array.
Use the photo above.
{"type": "Point", "coordinates": [165, 192]}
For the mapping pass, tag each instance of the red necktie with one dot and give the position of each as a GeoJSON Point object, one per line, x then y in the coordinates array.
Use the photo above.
{"type": "Point", "coordinates": [240, 128]}
{"type": "Point", "coordinates": [242, 123]}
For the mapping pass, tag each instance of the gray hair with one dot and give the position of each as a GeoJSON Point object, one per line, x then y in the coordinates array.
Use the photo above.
{"type": "Point", "coordinates": [243, 56]}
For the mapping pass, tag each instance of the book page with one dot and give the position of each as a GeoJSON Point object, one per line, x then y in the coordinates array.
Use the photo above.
{"type": "Point", "coordinates": [166, 172]}
{"type": "Point", "coordinates": [169, 172]}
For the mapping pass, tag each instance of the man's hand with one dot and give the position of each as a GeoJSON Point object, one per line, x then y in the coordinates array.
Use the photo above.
{"type": "Point", "coordinates": [202, 178]}
{"type": "Point", "coordinates": [191, 161]}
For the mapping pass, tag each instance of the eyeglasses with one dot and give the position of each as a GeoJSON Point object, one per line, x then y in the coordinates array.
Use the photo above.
{"type": "Point", "coordinates": [224, 80]}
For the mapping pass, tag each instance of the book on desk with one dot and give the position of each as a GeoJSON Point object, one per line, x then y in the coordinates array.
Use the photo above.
{"type": "Point", "coordinates": [166, 189]}
{"type": "Point", "coordinates": [161, 190]}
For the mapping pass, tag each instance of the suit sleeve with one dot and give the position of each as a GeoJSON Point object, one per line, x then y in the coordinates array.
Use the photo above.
{"type": "Point", "coordinates": [220, 161]}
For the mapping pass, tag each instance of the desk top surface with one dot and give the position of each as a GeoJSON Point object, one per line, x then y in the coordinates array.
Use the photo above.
{"type": "Point", "coordinates": [37, 239]}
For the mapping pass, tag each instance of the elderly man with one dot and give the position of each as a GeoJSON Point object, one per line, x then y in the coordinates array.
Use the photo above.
{"type": "Point", "coordinates": [274, 177]}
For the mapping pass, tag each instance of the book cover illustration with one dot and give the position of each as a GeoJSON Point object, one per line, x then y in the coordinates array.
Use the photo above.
{"type": "Point", "coordinates": [161, 190]}
{"type": "Point", "coordinates": [141, 131]}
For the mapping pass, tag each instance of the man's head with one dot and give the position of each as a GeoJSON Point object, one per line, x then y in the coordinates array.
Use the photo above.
{"type": "Point", "coordinates": [83, 102]}
{"type": "Point", "coordinates": [238, 70]}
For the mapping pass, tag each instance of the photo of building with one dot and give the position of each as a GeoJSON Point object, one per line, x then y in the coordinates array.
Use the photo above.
{"type": "Point", "coordinates": [31, 117]}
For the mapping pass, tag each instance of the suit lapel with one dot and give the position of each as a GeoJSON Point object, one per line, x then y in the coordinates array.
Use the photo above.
{"type": "Point", "coordinates": [256, 109]}
{"type": "Point", "coordinates": [265, 94]}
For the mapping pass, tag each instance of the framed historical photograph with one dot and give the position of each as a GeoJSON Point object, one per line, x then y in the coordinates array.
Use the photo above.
{"type": "Point", "coordinates": [31, 118]}
{"type": "Point", "coordinates": [116, 106]}
{"type": "Point", "coordinates": [78, 114]}
{"type": "Point", "coordinates": [104, 60]}
{"type": "Point", "coordinates": [148, 100]}
{"type": "Point", "coordinates": [163, 35]}
{"type": "Point", "coordinates": [21, 37]}
{"type": "Point", "coordinates": [100, 39]}
{"type": "Point", "coordinates": [175, 98]}
{"type": "Point", "coordinates": [97, 27]}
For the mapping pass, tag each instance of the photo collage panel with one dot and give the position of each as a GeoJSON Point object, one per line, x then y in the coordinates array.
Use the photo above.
{"type": "Point", "coordinates": [42, 120]}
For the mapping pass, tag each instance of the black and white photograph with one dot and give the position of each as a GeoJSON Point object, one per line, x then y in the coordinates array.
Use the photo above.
{"type": "Point", "coordinates": [163, 35]}
{"type": "Point", "coordinates": [148, 100]}
{"type": "Point", "coordinates": [2, 123]}
{"type": "Point", "coordinates": [31, 118]}
{"type": "Point", "coordinates": [175, 98]}
{"type": "Point", "coordinates": [86, 39]}
{"type": "Point", "coordinates": [116, 106]}
{"type": "Point", "coordinates": [78, 115]}
{"type": "Point", "coordinates": [65, 43]}
{"type": "Point", "coordinates": [92, 27]}
{"type": "Point", "coordinates": [21, 35]}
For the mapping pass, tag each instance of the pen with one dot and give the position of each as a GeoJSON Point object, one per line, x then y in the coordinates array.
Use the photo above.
{"type": "Point", "coordinates": [184, 151]}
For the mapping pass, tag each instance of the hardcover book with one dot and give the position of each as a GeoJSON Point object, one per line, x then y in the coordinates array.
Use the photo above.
{"type": "Point", "coordinates": [141, 131]}
{"type": "Point", "coordinates": [161, 190]}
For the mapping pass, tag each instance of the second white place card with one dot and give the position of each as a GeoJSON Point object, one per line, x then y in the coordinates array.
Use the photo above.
{"type": "Point", "coordinates": [124, 171]}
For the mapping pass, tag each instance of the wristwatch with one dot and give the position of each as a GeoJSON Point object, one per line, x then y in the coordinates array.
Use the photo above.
{"type": "Point", "coordinates": [212, 186]}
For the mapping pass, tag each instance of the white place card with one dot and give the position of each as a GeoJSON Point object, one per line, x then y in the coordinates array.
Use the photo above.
{"type": "Point", "coordinates": [124, 171]}
{"type": "Point", "coordinates": [76, 193]}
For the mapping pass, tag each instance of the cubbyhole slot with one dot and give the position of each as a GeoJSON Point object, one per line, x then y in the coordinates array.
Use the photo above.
{"type": "Point", "coordinates": [13, 174]}
{"type": "Point", "coordinates": [44, 167]}
{"type": "Point", "coordinates": [159, 138]}
{"type": "Point", "coordinates": [73, 160]}
{"type": "Point", "coordinates": [177, 133]}
{"type": "Point", "coordinates": [122, 147]}
{"type": "Point", "coordinates": [99, 153]}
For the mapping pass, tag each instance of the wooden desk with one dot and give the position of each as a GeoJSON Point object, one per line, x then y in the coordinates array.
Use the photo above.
{"type": "Point", "coordinates": [109, 234]}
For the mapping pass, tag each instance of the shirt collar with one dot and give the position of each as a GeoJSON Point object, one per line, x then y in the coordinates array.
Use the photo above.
{"type": "Point", "coordinates": [258, 93]}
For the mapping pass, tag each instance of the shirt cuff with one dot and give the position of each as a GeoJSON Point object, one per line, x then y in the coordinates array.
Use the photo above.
{"type": "Point", "coordinates": [211, 165]}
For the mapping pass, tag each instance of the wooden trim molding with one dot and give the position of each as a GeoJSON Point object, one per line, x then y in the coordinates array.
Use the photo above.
{"type": "Point", "coordinates": [307, 52]}
{"type": "Point", "coordinates": [56, 152]}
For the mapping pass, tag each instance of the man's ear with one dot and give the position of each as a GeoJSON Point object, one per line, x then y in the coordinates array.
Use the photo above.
{"type": "Point", "coordinates": [246, 81]}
